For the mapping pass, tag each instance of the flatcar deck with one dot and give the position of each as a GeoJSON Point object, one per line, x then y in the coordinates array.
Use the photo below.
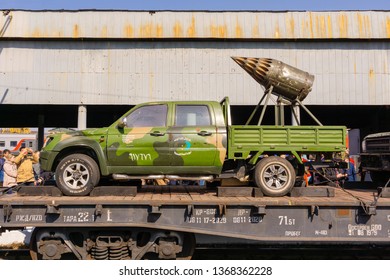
{"type": "Point", "coordinates": [179, 195]}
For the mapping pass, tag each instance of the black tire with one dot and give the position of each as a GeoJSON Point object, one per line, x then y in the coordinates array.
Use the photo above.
{"type": "Point", "coordinates": [189, 245]}
{"type": "Point", "coordinates": [33, 245]}
{"type": "Point", "coordinates": [275, 176]}
{"type": "Point", "coordinates": [77, 175]}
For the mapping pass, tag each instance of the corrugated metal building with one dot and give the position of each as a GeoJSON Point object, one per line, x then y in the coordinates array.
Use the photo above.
{"type": "Point", "coordinates": [127, 57]}
{"type": "Point", "coordinates": [112, 57]}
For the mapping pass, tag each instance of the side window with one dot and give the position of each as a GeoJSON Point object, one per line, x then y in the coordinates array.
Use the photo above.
{"type": "Point", "coordinates": [192, 115]}
{"type": "Point", "coordinates": [148, 116]}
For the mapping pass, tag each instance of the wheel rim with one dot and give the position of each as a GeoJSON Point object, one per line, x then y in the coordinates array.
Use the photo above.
{"type": "Point", "coordinates": [76, 176]}
{"type": "Point", "coordinates": [276, 176]}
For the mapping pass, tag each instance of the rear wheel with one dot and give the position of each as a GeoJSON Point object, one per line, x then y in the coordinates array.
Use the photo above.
{"type": "Point", "coordinates": [77, 175]}
{"type": "Point", "coordinates": [275, 176]}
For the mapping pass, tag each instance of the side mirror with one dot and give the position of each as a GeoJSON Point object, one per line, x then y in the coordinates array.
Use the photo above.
{"type": "Point", "coordinates": [122, 123]}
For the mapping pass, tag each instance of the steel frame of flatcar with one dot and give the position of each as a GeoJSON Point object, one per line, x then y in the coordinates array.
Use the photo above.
{"type": "Point", "coordinates": [339, 219]}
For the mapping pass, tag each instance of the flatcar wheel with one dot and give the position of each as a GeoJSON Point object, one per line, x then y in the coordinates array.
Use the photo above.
{"type": "Point", "coordinates": [188, 247]}
{"type": "Point", "coordinates": [33, 245]}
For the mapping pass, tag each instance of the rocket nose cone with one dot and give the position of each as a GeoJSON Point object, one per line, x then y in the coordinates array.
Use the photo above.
{"type": "Point", "coordinates": [239, 60]}
{"type": "Point", "coordinates": [256, 67]}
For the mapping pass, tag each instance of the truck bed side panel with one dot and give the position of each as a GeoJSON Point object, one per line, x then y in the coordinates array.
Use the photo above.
{"type": "Point", "coordinates": [244, 139]}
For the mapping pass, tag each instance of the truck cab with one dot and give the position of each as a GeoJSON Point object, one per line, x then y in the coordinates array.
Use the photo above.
{"type": "Point", "coordinates": [173, 140]}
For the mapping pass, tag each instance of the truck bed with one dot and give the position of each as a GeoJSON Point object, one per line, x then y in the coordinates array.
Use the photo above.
{"type": "Point", "coordinates": [245, 139]}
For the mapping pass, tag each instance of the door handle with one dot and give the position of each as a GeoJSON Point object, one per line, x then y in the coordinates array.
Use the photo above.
{"type": "Point", "coordinates": [157, 133]}
{"type": "Point", "coordinates": [204, 133]}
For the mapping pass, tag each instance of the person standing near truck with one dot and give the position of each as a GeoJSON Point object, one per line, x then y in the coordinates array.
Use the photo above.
{"type": "Point", "coordinates": [10, 170]}
{"type": "Point", "coordinates": [24, 162]}
{"type": "Point", "coordinates": [351, 169]}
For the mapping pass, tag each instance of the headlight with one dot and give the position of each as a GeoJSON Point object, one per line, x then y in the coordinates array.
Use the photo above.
{"type": "Point", "coordinates": [364, 146]}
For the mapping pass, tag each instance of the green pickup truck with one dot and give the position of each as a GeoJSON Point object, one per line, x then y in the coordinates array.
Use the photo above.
{"type": "Point", "coordinates": [192, 140]}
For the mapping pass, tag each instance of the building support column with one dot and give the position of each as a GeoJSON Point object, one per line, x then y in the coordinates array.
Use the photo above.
{"type": "Point", "coordinates": [41, 130]}
{"type": "Point", "coordinates": [82, 118]}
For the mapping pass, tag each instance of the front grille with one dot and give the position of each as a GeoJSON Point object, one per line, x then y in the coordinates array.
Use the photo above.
{"type": "Point", "coordinates": [379, 144]}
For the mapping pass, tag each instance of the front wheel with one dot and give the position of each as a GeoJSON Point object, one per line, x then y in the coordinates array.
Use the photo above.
{"type": "Point", "coordinates": [77, 175]}
{"type": "Point", "coordinates": [275, 176]}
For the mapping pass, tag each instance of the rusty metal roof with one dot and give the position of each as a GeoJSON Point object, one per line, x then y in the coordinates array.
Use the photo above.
{"type": "Point", "coordinates": [196, 24]}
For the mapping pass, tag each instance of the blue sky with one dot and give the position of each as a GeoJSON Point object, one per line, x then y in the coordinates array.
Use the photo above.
{"type": "Point", "coordinates": [197, 4]}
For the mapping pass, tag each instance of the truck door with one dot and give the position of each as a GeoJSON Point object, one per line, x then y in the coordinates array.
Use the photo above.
{"type": "Point", "coordinates": [142, 143]}
{"type": "Point", "coordinates": [193, 138]}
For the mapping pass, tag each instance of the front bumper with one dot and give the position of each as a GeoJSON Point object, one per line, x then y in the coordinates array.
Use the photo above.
{"type": "Point", "coordinates": [47, 160]}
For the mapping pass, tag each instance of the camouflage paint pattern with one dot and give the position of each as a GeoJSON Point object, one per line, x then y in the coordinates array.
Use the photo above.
{"type": "Point", "coordinates": [139, 150]}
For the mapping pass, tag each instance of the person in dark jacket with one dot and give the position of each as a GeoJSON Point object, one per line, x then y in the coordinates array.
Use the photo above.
{"type": "Point", "coordinates": [350, 171]}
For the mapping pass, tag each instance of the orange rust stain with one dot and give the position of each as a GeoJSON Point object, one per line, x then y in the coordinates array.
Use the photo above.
{"type": "Point", "coordinates": [213, 30]}
{"type": "Point", "coordinates": [36, 33]}
{"type": "Point", "coordinates": [343, 26]}
{"type": "Point", "coordinates": [177, 30]}
{"type": "Point", "coordinates": [255, 29]}
{"type": "Point", "coordinates": [239, 32]}
{"type": "Point", "coordinates": [371, 74]}
{"type": "Point", "coordinates": [128, 31]}
{"type": "Point", "coordinates": [330, 29]}
{"type": "Point", "coordinates": [311, 25]}
{"type": "Point", "coordinates": [104, 32]}
{"type": "Point", "coordinates": [388, 27]}
{"type": "Point", "coordinates": [191, 31]}
{"type": "Point", "coordinates": [145, 31]}
{"type": "Point", "coordinates": [222, 31]}
{"type": "Point", "coordinates": [322, 27]}
{"type": "Point", "coordinates": [364, 26]}
{"type": "Point", "coordinates": [372, 85]}
{"type": "Point", "coordinates": [290, 26]}
{"type": "Point", "coordinates": [317, 27]}
{"type": "Point", "coordinates": [159, 30]}
{"type": "Point", "coordinates": [277, 31]}
{"type": "Point", "coordinates": [76, 31]}
{"type": "Point", "coordinates": [360, 25]}
{"type": "Point", "coordinates": [367, 24]}
{"type": "Point", "coordinates": [354, 68]}
{"type": "Point", "coordinates": [218, 31]}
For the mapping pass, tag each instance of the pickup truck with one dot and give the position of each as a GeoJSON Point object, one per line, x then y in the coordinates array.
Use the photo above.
{"type": "Point", "coordinates": [186, 140]}
{"type": "Point", "coordinates": [375, 157]}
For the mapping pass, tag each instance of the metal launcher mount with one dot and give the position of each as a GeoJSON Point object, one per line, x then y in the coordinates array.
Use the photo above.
{"type": "Point", "coordinates": [289, 84]}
